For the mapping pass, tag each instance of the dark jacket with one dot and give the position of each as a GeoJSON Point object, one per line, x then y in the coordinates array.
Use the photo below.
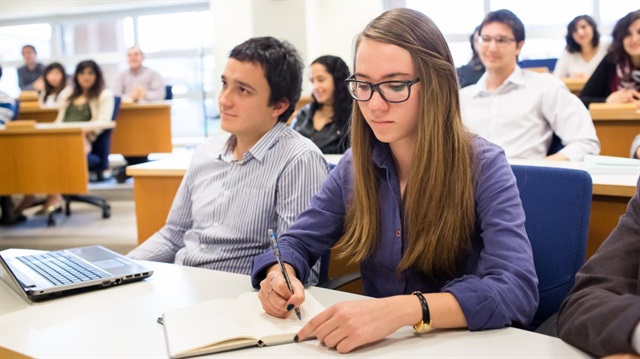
{"type": "Point", "coordinates": [470, 74]}
{"type": "Point", "coordinates": [598, 87]}
{"type": "Point", "coordinates": [331, 139]}
{"type": "Point", "coordinates": [602, 310]}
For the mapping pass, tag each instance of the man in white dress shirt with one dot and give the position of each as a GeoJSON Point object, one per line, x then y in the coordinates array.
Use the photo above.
{"type": "Point", "coordinates": [521, 110]}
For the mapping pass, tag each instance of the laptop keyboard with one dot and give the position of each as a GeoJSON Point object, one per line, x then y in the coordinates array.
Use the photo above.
{"type": "Point", "coordinates": [60, 268]}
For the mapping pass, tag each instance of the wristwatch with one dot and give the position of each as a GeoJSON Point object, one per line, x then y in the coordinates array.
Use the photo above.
{"type": "Point", "coordinates": [425, 324]}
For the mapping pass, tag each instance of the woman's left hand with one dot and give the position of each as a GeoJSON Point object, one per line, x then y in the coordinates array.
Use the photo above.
{"type": "Point", "coordinates": [349, 325]}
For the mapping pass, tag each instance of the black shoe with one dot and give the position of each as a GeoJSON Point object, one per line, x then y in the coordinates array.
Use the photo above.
{"type": "Point", "coordinates": [121, 175]}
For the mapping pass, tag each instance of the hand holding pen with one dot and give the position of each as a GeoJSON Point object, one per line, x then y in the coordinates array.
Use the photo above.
{"type": "Point", "coordinates": [276, 252]}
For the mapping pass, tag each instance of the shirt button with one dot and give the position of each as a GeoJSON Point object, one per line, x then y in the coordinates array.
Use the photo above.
{"type": "Point", "coordinates": [226, 193]}
{"type": "Point", "coordinates": [398, 233]}
{"type": "Point", "coordinates": [215, 224]}
{"type": "Point", "coordinates": [203, 246]}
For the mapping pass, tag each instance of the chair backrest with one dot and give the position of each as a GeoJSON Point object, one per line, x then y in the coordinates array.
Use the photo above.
{"type": "Point", "coordinates": [550, 64]}
{"type": "Point", "coordinates": [557, 205]}
{"type": "Point", "coordinates": [98, 158]}
{"type": "Point", "coordinates": [16, 110]}
{"type": "Point", "coordinates": [168, 92]}
{"type": "Point", "coordinates": [555, 146]}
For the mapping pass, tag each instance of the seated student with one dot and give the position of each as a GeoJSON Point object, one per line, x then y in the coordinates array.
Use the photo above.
{"type": "Point", "coordinates": [521, 110]}
{"type": "Point", "coordinates": [30, 74]}
{"type": "Point", "coordinates": [259, 177]}
{"type": "Point", "coordinates": [55, 86]}
{"type": "Point", "coordinates": [464, 260]}
{"type": "Point", "coordinates": [89, 101]}
{"type": "Point", "coordinates": [617, 77]}
{"type": "Point", "coordinates": [583, 52]}
{"type": "Point", "coordinates": [470, 73]}
{"type": "Point", "coordinates": [326, 119]}
{"type": "Point", "coordinates": [138, 84]}
{"type": "Point", "coordinates": [601, 314]}
{"type": "Point", "coordinates": [7, 105]}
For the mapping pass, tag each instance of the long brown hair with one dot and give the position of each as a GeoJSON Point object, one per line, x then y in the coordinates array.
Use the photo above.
{"type": "Point", "coordinates": [438, 202]}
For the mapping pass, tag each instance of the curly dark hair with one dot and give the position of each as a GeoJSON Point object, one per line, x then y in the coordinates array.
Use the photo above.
{"type": "Point", "coordinates": [48, 88]}
{"type": "Point", "coordinates": [98, 85]}
{"type": "Point", "coordinates": [342, 100]}
{"type": "Point", "coordinates": [572, 45]}
{"type": "Point", "coordinates": [620, 31]}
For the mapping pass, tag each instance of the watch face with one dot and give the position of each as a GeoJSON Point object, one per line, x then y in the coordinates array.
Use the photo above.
{"type": "Point", "coordinates": [422, 327]}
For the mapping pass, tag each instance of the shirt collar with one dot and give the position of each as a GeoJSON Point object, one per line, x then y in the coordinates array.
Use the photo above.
{"type": "Point", "coordinates": [516, 79]}
{"type": "Point", "coordinates": [264, 144]}
{"type": "Point", "coordinates": [381, 155]}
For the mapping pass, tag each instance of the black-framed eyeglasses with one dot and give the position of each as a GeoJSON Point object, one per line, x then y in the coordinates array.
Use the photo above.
{"type": "Point", "coordinates": [390, 91]}
{"type": "Point", "coordinates": [499, 40]}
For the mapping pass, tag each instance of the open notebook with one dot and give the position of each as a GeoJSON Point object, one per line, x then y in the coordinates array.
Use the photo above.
{"type": "Point", "coordinates": [224, 324]}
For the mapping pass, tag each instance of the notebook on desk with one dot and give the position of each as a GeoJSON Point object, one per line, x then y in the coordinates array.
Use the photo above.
{"type": "Point", "coordinates": [46, 275]}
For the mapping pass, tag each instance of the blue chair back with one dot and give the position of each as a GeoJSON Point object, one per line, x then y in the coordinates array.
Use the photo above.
{"type": "Point", "coordinates": [16, 110]}
{"type": "Point", "coordinates": [98, 158]}
{"type": "Point", "coordinates": [168, 92]}
{"type": "Point", "coordinates": [555, 146]}
{"type": "Point", "coordinates": [548, 63]}
{"type": "Point", "coordinates": [557, 205]}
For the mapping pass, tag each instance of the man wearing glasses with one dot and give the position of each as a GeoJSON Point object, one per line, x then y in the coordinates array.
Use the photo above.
{"type": "Point", "coordinates": [522, 110]}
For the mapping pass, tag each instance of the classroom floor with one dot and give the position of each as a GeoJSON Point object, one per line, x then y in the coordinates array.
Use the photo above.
{"type": "Point", "coordinates": [85, 226]}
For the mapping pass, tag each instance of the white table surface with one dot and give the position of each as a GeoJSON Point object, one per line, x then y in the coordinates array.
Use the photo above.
{"type": "Point", "coordinates": [120, 322]}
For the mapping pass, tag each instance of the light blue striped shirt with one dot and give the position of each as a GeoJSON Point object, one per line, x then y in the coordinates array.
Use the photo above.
{"type": "Point", "coordinates": [223, 208]}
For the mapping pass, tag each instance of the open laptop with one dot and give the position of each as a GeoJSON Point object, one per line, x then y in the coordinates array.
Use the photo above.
{"type": "Point", "coordinates": [46, 275]}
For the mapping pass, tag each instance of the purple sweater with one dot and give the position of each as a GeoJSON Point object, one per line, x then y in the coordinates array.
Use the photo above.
{"type": "Point", "coordinates": [496, 286]}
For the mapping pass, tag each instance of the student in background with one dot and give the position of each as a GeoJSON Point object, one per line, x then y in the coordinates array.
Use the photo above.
{"type": "Point", "coordinates": [258, 177]}
{"type": "Point", "coordinates": [55, 86]}
{"type": "Point", "coordinates": [583, 52]}
{"type": "Point", "coordinates": [89, 101]}
{"type": "Point", "coordinates": [326, 119]}
{"type": "Point", "coordinates": [464, 261]}
{"type": "Point", "coordinates": [521, 110]}
{"type": "Point", "coordinates": [30, 74]}
{"type": "Point", "coordinates": [601, 314]}
{"type": "Point", "coordinates": [470, 73]}
{"type": "Point", "coordinates": [7, 105]}
{"type": "Point", "coordinates": [138, 84]}
{"type": "Point", "coordinates": [617, 77]}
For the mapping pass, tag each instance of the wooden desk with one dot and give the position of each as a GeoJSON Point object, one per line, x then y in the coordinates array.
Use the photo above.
{"type": "Point", "coordinates": [575, 85]}
{"type": "Point", "coordinates": [156, 183]}
{"type": "Point", "coordinates": [120, 322]}
{"type": "Point", "coordinates": [616, 126]}
{"type": "Point", "coordinates": [49, 158]}
{"type": "Point", "coordinates": [142, 129]}
{"type": "Point", "coordinates": [37, 113]}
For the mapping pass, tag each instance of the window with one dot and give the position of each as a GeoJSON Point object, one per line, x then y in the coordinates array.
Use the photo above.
{"type": "Point", "coordinates": [12, 38]}
{"type": "Point", "coordinates": [536, 14]}
{"type": "Point", "coordinates": [181, 31]}
{"type": "Point", "coordinates": [448, 16]}
{"type": "Point", "coordinates": [92, 37]}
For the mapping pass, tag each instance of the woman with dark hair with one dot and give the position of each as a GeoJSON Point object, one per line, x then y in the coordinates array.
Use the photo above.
{"type": "Point", "coordinates": [326, 119]}
{"type": "Point", "coordinates": [617, 77]}
{"type": "Point", "coordinates": [429, 211]}
{"type": "Point", "coordinates": [55, 85]}
{"type": "Point", "coordinates": [89, 101]}
{"type": "Point", "coordinates": [583, 52]}
{"type": "Point", "coordinates": [470, 73]}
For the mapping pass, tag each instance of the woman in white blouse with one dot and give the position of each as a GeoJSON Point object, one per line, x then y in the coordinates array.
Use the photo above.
{"type": "Point", "coordinates": [583, 52]}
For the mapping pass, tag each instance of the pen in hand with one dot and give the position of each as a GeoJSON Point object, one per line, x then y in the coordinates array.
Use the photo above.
{"type": "Point", "coordinates": [276, 251]}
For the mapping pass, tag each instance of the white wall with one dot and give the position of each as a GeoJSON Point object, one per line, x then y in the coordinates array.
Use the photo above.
{"type": "Point", "coordinates": [314, 27]}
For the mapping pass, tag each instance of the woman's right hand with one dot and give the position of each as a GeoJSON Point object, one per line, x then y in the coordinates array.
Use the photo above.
{"type": "Point", "coordinates": [624, 96]}
{"type": "Point", "coordinates": [274, 294]}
